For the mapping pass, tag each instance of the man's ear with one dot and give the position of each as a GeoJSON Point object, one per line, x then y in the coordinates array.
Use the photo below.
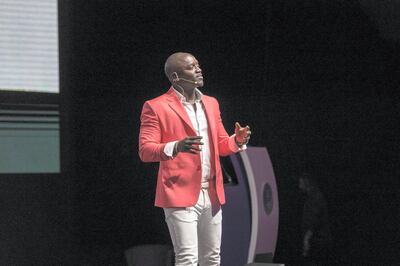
{"type": "Point", "coordinates": [174, 77]}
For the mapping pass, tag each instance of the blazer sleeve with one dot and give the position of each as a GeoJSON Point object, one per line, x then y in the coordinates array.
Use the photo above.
{"type": "Point", "coordinates": [150, 147]}
{"type": "Point", "coordinates": [224, 145]}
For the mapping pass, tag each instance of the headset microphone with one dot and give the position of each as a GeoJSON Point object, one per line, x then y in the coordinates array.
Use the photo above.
{"type": "Point", "coordinates": [187, 80]}
{"type": "Point", "coordinates": [190, 81]}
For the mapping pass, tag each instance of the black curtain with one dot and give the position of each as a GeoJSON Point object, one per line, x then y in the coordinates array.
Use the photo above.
{"type": "Point", "coordinates": [314, 79]}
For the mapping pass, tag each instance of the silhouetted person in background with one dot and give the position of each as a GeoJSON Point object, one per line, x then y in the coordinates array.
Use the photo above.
{"type": "Point", "coordinates": [316, 235]}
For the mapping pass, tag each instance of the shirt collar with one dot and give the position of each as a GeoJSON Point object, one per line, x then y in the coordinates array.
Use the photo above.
{"type": "Point", "coordinates": [197, 96]}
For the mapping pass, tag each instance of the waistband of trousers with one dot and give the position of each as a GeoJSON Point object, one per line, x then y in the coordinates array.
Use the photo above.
{"type": "Point", "coordinates": [205, 185]}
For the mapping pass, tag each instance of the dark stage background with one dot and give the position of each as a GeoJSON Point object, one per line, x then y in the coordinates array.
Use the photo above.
{"type": "Point", "coordinates": [316, 80]}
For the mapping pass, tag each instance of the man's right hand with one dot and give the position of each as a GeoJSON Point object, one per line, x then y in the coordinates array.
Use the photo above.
{"type": "Point", "coordinates": [189, 144]}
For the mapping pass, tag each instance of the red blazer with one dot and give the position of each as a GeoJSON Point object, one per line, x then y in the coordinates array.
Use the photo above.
{"type": "Point", "coordinates": [163, 120]}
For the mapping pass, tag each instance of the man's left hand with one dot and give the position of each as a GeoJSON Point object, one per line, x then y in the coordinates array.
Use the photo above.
{"type": "Point", "coordinates": [242, 134]}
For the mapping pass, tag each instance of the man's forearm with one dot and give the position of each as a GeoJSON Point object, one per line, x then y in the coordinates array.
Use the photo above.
{"type": "Point", "coordinates": [152, 152]}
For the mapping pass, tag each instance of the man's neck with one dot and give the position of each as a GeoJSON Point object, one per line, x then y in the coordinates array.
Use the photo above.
{"type": "Point", "coordinates": [189, 94]}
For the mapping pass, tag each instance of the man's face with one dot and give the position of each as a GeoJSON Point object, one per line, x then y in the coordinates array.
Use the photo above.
{"type": "Point", "coordinates": [190, 70]}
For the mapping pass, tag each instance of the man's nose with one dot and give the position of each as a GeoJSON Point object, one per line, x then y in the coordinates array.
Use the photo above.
{"type": "Point", "coordinates": [198, 69]}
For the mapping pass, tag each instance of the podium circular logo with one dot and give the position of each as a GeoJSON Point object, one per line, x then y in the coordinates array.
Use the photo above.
{"type": "Point", "coordinates": [267, 199]}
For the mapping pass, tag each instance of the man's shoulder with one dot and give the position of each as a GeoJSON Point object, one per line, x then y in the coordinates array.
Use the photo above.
{"type": "Point", "coordinates": [159, 104]}
{"type": "Point", "coordinates": [210, 100]}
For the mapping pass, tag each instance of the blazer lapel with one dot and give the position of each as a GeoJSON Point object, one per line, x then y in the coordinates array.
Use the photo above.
{"type": "Point", "coordinates": [209, 110]}
{"type": "Point", "coordinates": [212, 131]}
{"type": "Point", "coordinates": [178, 108]}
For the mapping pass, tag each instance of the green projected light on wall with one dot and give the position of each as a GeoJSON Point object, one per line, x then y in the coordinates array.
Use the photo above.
{"type": "Point", "coordinates": [29, 141]}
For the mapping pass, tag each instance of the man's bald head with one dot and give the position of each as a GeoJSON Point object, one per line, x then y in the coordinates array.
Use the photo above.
{"type": "Point", "coordinates": [174, 63]}
{"type": "Point", "coordinates": [183, 71]}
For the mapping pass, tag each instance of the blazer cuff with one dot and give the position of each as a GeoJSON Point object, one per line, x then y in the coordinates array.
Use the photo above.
{"type": "Point", "coordinates": [233, 146]}
{"type": "Point", "coordinates": [169, 149]}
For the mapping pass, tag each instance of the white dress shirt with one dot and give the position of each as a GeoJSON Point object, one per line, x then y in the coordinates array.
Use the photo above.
{"type": "Point", "coordinates": [199, 122]}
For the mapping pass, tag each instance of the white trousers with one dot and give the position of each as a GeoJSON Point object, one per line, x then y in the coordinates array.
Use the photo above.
{"type": "Point", "coordinates": [196, 232]}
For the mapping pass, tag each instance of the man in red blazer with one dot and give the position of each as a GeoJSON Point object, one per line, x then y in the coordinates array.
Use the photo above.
{"type": "Point", "coordinates": [182, 129]}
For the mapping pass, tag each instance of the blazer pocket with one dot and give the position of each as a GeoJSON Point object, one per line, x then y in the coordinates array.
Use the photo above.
{"type": "Point", "coordinates": [170, 180]}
